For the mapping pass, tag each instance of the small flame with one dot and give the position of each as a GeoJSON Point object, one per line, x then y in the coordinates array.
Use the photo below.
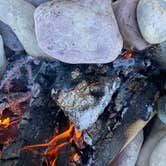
{"type": "Point", "coordinates": [53, 147]}
{"type": "Point", "coordinates": [128, 54]}
{"type": "Point", "coordinates": [5, 122]}
{"type": "Point", "coordinates": [75, 157]}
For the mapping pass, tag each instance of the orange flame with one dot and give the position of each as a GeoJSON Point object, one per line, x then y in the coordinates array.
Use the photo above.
{"type": "Point", "coordinates": [128, 54]}
{"type": "Point", "coordinates": [5, 122]}
{"type": "Point", "coordinates": [75, 157]}
{"type": "Point", "coordinates": [71, 134]}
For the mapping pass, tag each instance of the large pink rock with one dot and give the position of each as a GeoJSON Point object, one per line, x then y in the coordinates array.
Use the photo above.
{"type": "Point", "coordinates": [78, 31]}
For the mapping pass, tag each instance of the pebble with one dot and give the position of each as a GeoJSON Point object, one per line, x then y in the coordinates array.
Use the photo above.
{"type": "Point", "coordinates": [161, 109]}
{"type": "Point", "coordinates": [2, 56]}
{"type": "Point", "coordinates": [125, 13]}
{"type": "Point", "coordinates": [158, 157]}
{"type": "Point", "coordinates": [18, 14]}
{"type": "Point", "coordinates": [10, 39]}
{"type": "Point", "coordinates": [151, 17]}
{"type": "Point", "coordinates": [78, 31]}
{"type": "Point", "coordinates": [36, 2]}
{"type": "Point", "coordinates": [160, 56]}
{"type": "Point", "coordinates": [128, 156]}
{"type": "Point", "coordinates": [157, 133]}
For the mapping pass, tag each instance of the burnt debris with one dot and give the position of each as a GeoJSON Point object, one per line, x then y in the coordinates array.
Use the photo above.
{"type": "Point", "coordinates": [102, 100]}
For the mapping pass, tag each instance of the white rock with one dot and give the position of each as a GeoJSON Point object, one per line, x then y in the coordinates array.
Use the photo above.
{"type": "Point", "coordinates": [18, 14]}
{"type": "Point", "coordinates": [160, 56]}
{"type": "Point", "coordinates": [158, 132]}
{"type": "Point", "coordinates": [158, 156]}
{"type": "Point", "coordinates": [78, 31]}
{"type": "Point", "coordinates": [128, 156]}
{"type": "Point", "coordinates": [2, 56]}
{"type": "Point", "coordinates": [151, 16]}
{"type": "Point", "coordinates": [125, 13]}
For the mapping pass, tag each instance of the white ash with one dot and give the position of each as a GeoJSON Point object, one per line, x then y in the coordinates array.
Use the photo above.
{"type": "Point", "coordinates": [84, 108]}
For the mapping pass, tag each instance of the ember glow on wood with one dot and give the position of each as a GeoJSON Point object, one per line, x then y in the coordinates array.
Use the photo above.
{"type": "Point", "coordinates": [5, 122]}
{"type": "Point", "coordinates": [57, 143]}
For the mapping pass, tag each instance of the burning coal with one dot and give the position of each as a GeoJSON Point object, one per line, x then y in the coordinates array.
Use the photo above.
{"type": "Point", "coordinates": [5, 122]}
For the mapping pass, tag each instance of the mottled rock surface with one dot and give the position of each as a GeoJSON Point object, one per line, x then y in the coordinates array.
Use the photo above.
{"type": "Point", "coordinates": [10, 39]}
{"type": "Point", "coordinates": [78, 31]}
{"type": "Point", "coordinates": [18, 14]}
{"type": "Point", "coordinates": [125, 13]}
{"type": "Point", "coordinates": [158, 157]}
{"type": "Point", "coordinates": [151, 17]}
{"type": "Point", "coordinates": [128, 156]}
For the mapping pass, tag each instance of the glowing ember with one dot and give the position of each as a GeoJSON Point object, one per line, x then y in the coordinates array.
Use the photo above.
{"type": "Point", "coordinates": [53, 147]}
{"type": "Point", "coordinates": [128, 54]}
{"type": "Point", "coordinates": [76, 157]}
{"type": "Point", "coordinates": [5, 122]}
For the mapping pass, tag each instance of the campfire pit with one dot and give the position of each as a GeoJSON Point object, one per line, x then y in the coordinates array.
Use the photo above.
{"type": "Point", "coordinates": [54, 113]}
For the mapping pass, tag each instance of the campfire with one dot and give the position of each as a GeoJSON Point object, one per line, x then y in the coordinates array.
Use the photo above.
{"type": "Point", "coordinates": [79, 79]}
{"type": "Point", "coordinates": [53, 147]}
{"type": "Point", "coordinates": [44, 121]}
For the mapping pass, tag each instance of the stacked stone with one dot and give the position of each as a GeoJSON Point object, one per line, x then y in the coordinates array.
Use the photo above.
{"type": "Point", "coordinates": [89, 31]}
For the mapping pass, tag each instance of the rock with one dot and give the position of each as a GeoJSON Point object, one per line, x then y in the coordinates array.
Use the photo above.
{"type": "Point", "coordinates": [157, 133]}
{"type": "Point", "coordinates": [10, 39]}
{"type": "Point", "coordinates": [151, 17]}
{"type": "Point", "coordinates": [125, 13]}
{"type": "Point", "coordinates": [36, 2]}
{"type": "Point", "coordinates": [128, 156]}
{"type": "Point", "coordinates": [85, 103]}
{"type": "Point", "coordinates": [161, 109]}
{"type": "Point", "coordinates": [2, 56]}
{"type": "Point", "coordinates": [160, 56]}
{"type": "Point", "coordinates": [158, 156]}
{"type": "Point", "coordinates": [18, 15]}
{"type": "Point", "coordinates": [78, 31]}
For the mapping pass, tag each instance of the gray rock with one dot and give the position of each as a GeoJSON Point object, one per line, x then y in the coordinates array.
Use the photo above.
{"type": "Point", "coordinates": [10, 39]}
{"type": "Point", "coordinates": [78, 31]}
{"type": "Point", "coordinates": [157, 133]}
{"type": "Point", "coordinates": [2, 56]}
{"type": "Point", "coordinates": [36, 2]}
{"type": "Point", "coordinates": [151, 17]}
{"type": "Point", "coordinates": [158, 157]}
{"type": "Point", "coordinates": [129, 155]}
{"type": "Point", "coordinates": [160, 55]}
{"type": "Point", "coordinates": [83, 107]}
{"type": "Point", "coordinates": [161, 109]}
{"type": "Point", "coordinates": [18, 14]}
{"type": "Point", "coordinates": [125, 13]}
